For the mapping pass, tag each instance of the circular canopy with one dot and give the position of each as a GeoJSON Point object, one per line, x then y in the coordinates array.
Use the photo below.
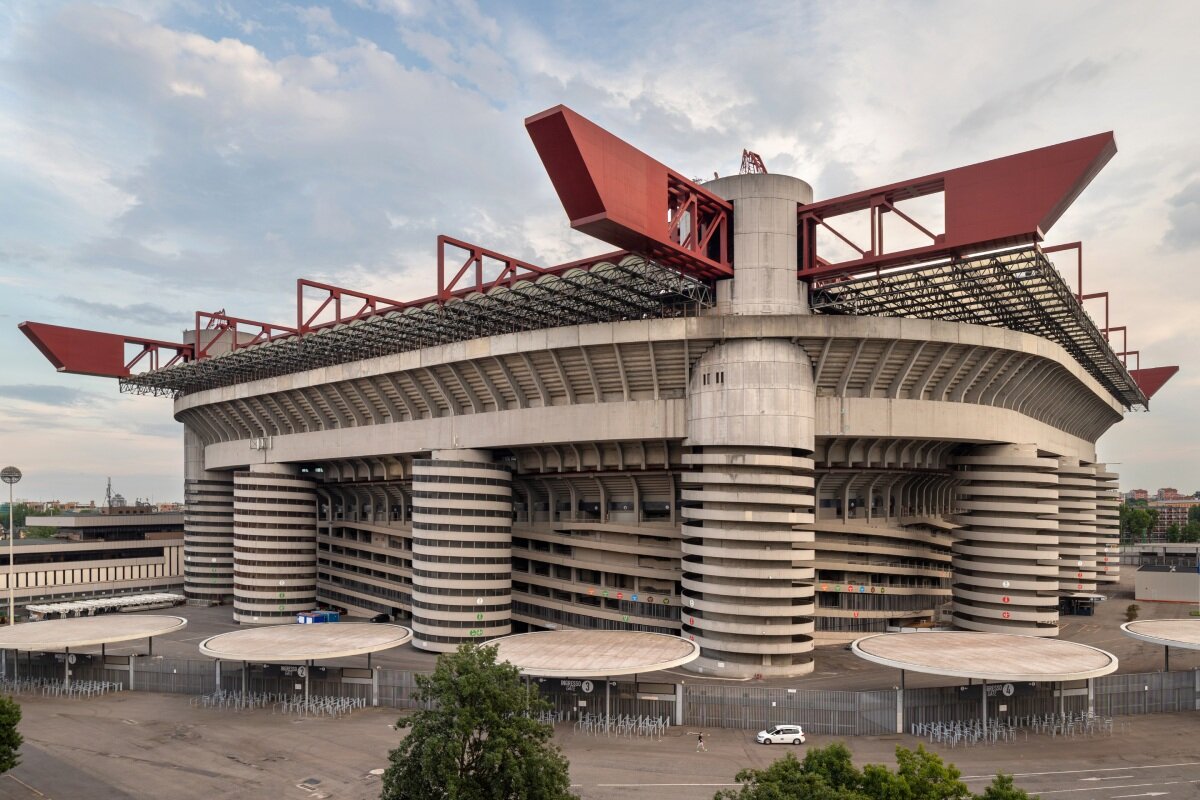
{"type": "Point", "coordinates": [986, 656]}
{"type": "Point", "coordinates": [60, 634]}
{"type": "Point", "coordinates": [1166, 632]}
{"type": "Point", "coordinates": [284, 644]}
{"type": "Point", "coordinates": [593, 654]}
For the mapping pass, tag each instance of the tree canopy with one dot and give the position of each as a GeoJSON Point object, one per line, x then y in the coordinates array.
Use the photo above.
{"type": "Point", "coordinates": [10, 740]}
{"type": "Point", "coordinates": [478, 740]}
{"type": "Point", "coordinates": [829, 774]}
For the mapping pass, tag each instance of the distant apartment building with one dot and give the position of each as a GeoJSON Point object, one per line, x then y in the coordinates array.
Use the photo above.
{"type": "Point", "coordinates": [1172, 512]}
{"type": "Point", "coordinates": [1168, 493]}
{"type": "Point", "coordinates": [1137, 494]}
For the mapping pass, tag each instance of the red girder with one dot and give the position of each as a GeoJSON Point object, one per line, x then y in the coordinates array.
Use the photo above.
{"type": "Point", "coordinates": [752, 164]}
{"type": "Point", "coordinates": [511, 270]}
{"type": "Point", "coordinates": [84, 352]}
{"type": "Point", "coordinates": [368, 306]}
{"type": "Point", "coordinates": [618, 194]}
{"type": "Point", "coordinates": [230, 328]}
{"type": "Point", "coordinates": [1006, 201]}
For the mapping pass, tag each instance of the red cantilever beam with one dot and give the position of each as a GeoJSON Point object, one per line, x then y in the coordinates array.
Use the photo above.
{"type": "Point", "coordinates": [1007, 201]}
{"type": "Point", "coordinates": [84, 352]}
{"type": "Point", "coordinates": [1151, 379]}
{"type": "Point", "coordinates": [618, 194]}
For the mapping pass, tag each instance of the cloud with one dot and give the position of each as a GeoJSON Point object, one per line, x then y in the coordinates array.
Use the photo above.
{"type": "Point", "coordinates": [140, 313]}
{"type": "Point", "coordinates": [1184, 217]}
{"type": "Point", "coordinates": [49, 395]}
{"type": "Point", "coordinates": [1028, 97]}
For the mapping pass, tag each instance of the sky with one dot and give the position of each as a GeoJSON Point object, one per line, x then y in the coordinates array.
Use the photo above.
{"type": "Point", "coordinates": [160, 157]}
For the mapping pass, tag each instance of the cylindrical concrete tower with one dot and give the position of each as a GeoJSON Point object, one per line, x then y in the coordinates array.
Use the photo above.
{"type": "Point", "coordinates": [1108, 525]}
{"type": "Point", "coordinates": [1076, 526]}
{"type": "Point", "coordinates": [747, 573]}
{"type": "Point", "coordinates": [765, 244]}
{"type": "Point", "coordinates": [207, 526]}
{"type": "Point", "coordinates": [275, 544]}
{"type": "Point", "coordinates": [1006, 557]}
{"type": "Point", "coordinates": [462, 549]}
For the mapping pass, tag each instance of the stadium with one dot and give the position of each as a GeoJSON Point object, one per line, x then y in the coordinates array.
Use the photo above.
{"type": "Point", "coordinates": [761, 423]}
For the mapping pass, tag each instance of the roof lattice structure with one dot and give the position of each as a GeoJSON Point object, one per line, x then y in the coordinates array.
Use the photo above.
{"type": "Point", "coordinates": [1017, 289]}
{"type": "Point", "coordinates": [634, 288]}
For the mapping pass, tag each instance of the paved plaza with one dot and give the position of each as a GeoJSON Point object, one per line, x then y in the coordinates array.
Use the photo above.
{"type": "Point", "coordinates": [143, 745]}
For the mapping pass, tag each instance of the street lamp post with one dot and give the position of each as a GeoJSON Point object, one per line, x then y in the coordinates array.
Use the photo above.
{"type": "Point", "coordinates": [11, 475]}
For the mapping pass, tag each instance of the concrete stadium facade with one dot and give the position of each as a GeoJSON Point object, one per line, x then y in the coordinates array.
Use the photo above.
{"type": "Point", "coordinates": [748, 473]}
{"type": "Point", "coordinates": [756, 477]}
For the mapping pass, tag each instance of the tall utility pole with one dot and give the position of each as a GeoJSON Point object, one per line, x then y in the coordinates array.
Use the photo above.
{"type": "Point", "coordinates": [11, 475]}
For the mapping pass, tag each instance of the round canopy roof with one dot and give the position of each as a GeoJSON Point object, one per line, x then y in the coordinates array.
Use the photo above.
{"type": "Point", "coordinates": [986, 656]}
{"type": "Point", "coordinates": [594, 654]}
{"type": "Point", "coordinates": [285, 644]}
{"type": "Point", "coordinates": [60, 634]}
{"type": "Point", "coordinates": [1166, 632]}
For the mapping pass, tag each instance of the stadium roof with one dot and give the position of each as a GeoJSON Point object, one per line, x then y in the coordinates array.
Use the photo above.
{"type": "Point", "coordinates": [632, 288]}
{"type": "Point", "coordinates": [1018, 289]}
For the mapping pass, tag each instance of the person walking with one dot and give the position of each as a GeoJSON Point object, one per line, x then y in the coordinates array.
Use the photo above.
{"type": "Point", "coordinates": [700, 742]}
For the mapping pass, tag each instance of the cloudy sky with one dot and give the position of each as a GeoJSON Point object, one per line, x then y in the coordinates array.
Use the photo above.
{"type": "Point", "coordinates": [160, 157]}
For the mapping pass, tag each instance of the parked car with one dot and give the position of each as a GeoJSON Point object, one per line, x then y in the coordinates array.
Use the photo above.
{"type": "Point", "coordinates": [781, 734]}
{"type": "Point", "coordinates": [381, 618]}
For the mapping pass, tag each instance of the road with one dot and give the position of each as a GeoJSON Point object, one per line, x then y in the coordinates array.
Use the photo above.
{"type": "Point", "coordinates": [136, 745]}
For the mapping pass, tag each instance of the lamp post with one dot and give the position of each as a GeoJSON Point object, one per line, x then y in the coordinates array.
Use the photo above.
{"type": "Point", "coordinates": [10, 475]}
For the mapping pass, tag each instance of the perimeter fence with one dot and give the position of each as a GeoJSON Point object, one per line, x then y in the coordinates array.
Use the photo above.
{"type": "Point", "coordinates": [737, 705]}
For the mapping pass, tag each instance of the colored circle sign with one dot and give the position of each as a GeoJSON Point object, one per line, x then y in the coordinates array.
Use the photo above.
{"type": "Point", "coordinates": [1005, 599]}
{"type": "Point", "coordinates": [1006, 615]}
{"type": "Point", "coordinates": [861, 589]}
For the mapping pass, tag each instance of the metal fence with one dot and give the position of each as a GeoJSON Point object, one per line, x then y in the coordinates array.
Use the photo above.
{"type": "Point", "coordinates": [820, 711]}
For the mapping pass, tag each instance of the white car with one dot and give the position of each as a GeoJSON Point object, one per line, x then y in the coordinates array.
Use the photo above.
{"type": "Point", "coordinates": [781, 734]}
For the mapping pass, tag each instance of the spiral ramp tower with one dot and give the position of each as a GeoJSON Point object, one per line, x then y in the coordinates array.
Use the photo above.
{"type": "Point", "coordinates": [1076, 527]}
{"type": "Point", "coordinates": [1108, 526]}
{"type": "Point", "coordinates": [1006, 557]}
{"type": "Point", "coordinates": [207, 528]}
{"type": "Point", "coordinates": [461, 549]}
{"type": "Point", "coordinates": [275, 544]}
{"type": "Point", "coordinates": [747, 572]}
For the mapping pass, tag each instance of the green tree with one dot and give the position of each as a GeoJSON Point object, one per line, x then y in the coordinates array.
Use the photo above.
{"type": "Point", "coordinates": [1174, 534]}
{"type": "Point", "coordinates": [1194, 514]}
{"type": "Point", "coordinates": [10, 740]}
{"type": "Point", "coordinates": [1136, 522]}
{"type": "Point", "coordinates": [477, 740]}
{"type": "Point", "coordinates": [19, 512]}
{"type": "Point", "coordinates": [1002, 788]}
{"type": "Point", "coordinates": [829, 774]}
{"type": "Point", "coordinates": [1190, 532]}
{"type": "Point", "coordinates": [40, 532]}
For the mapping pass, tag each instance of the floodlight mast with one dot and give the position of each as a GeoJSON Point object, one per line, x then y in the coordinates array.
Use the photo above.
{"type": "Point", "coordinates": [10, 475]}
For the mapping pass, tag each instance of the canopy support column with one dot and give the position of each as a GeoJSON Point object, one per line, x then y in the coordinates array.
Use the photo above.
{"type": "Point", "coordinates": [1062, 701]}
{"type": "Point", "coordinates": [245, 677]}
{"type": "Point", "coordinates": [983, 694]}
{"type": "Point", "coordinates": [375, 687]}
{"type": "Point", "coordinates": [1091, 698]}
{"type": "Point", "coordinates": [67, 668]}
{"type": "Point", "coordinates": [1166, 659]}
{"type": "Point", "coordinates": [307, 670]}
{"type": "Point", "coordinates": [217, 675]}
{"type": "Point", "coordinates": [607, 703]}
{"type": "Point", "coordinates": [900, 705]}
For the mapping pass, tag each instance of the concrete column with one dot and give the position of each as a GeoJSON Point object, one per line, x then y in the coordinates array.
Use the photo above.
{"type": "Point", "coordinates": [1108, 526]}
{"type": "Point", "coordinates": [765, 245]}
{"type": "Point", "coordinates": [207, 526]}
{"type": "Point", "coordinates": [1076, 526]}
{"type": "Point", "coordinates": [1005, 559]}
{"type": "Point", "coordinates": [275, 544]}
{"type": "Point", "coordinates": [747, 573]}
{"type": "Point", "coordinates": [462, 549]}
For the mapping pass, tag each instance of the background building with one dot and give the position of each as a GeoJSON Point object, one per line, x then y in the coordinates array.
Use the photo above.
{"type": "Point", "coordinates": [755, 424]}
